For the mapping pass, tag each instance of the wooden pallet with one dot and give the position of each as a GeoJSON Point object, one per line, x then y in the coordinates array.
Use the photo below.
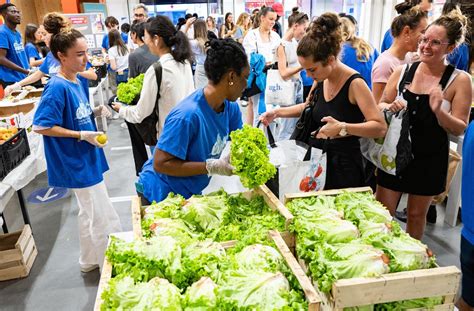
{"type": "Point", "coordinates": [17, 254]}
{"type": "Point", "coordinates": [309, 291]}
{"type": "Point", "coordinates": [268, 196]}
{"type": "Point", "coordinates": [424, 283]}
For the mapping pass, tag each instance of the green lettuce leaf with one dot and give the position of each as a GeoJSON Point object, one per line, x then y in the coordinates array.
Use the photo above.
{"type": "Point", "coordinates": [201, 296]}
{"type": "Point", "coordinates": [126, 92]}
{"type": "Point", "coordinates": [205, 213]}
{"type": "Point", "coordinates": [157, 294]}
{"type": "Point", "coordinates": [250, 156]}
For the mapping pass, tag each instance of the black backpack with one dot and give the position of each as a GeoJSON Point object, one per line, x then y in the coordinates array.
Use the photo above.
{"type": "Point", "coordinates": [147, 128]}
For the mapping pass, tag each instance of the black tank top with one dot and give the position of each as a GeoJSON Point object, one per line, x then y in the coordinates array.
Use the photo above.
{"type": "Point", "coordinates": [341, 109]}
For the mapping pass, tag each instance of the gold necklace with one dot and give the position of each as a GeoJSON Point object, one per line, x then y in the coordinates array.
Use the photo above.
{"type": "Point", "coordinates": [65, 77]}
{"type": "Point", "coordinates": [332, 91]}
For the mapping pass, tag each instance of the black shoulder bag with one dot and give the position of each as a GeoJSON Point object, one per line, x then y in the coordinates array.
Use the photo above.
{"type": "Point", "coordinates": [147, 128]}
{"type": "Point", "coordinates": [304, 125]}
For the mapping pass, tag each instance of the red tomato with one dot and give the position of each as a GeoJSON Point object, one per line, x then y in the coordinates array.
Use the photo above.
{"type": "Point", "coordinates": [304, 184]}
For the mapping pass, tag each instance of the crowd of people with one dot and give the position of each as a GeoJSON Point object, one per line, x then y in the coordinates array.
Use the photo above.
{"type": "Point", "coordinates": [194, 74]}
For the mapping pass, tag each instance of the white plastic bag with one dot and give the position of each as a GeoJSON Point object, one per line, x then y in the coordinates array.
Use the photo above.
{"type": "Point", "coordinates": [278, 91]}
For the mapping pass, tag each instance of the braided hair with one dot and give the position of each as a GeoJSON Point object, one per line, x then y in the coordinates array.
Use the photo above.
{"type": "Point", "coordinates": [224, 55]}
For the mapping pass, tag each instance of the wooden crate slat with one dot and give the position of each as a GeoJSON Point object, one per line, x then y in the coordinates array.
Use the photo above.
{"type": "Point", "coordinates": [274, 203]}
{"type": "Point", "coordinates": [291, 196]}
{"type": "Point", "coordinates": [13, 273]}
{"type": "Point", "coordinates": [136, 217]}
{"type": "Point", "coordinates": [31, 259]}
{"type": "Point", "coordinates": [24, 238]}
{"type": "Point", "coordinates": [308, 289]}
{"type": "Point", "coordinates": [10, 264]}
{"type": "Point", "coordinates": [105, 277]}
{"type": "Point", "coordinates": [10, 255]}
{"type": "Point", "coordinates": [396, 286]}
{"type": "Point", "coordinates": [28, 249]}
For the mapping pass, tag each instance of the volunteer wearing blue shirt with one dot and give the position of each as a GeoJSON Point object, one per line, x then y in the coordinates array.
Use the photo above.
{"type": "Point", "coordinates": [466, 302]}
{"type": "Point", "coordinates": [34, 36]}
{"type": "Point", "coordinates": [111, 23]}
{"type": "Point", "coordinates": [197, 130]}
{"type": "Point", "coordinates": [356, 52]}
{"type": "Point", "coordinates": [13, 61]}
{"type": "Point", "coordinates": [73, 153]}
{"type": "Point", "coordinates": [53, 22]}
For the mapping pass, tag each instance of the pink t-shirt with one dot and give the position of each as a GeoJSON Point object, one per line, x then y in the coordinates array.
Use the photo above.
{"type": "Point", "coordinates": [384, 66]}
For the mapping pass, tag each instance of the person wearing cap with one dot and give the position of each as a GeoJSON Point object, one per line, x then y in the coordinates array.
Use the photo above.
{"type": "Point", "coordinates": [278, 8]}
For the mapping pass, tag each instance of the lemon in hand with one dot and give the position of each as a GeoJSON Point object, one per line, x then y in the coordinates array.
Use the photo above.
{"type": "Point", "coordinates": [101, 139]}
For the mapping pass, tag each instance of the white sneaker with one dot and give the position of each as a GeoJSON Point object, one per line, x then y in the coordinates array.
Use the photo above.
{"type": "Point", "coordinates": [123, 125]}
{"type": "Point", "coordinates": [89, 268]}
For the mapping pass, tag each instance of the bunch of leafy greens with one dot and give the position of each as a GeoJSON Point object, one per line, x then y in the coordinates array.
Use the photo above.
{"type": "Point", "coordinates": [205, 213]}
{"type": "Point", "coordinates": [250, 156]}
{"type": "Point", "coordinates": [217, 216]}
{"type": "Point", "coordinates": [352, 235]}
{"type": "Point", "coordinates": [159, 256]}
{"type": "Point", "coordinates": [346, 260]}
{"type": "Point", "coordinates": [203, 258]}
{"type": "Point", "coordinates": [359, 206]}
{"type": "Point", "coordinates": [157, 294]}
{"type": "Point", "coordinates": [168, 208]}
{"type": "Point", "coordinates": [248, 222]}
{"type": "Point", "coordinates": [254, 279]}
{"type": "Point", "coordinates": [127, 92]}
{"type": "Point", "coordinates": [405, 252]}
{"type": "Point", "coordinates": [201, 296]}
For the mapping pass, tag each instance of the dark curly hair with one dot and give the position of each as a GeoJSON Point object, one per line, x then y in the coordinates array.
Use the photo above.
{"type": "Point", "coordinates": [323, 40]}
{"type": "Point", "coordinates": [174, 39]}
{"type": "Point", "coordinates": [224, 55]}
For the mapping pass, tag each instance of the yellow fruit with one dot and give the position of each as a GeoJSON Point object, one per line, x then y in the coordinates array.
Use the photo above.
{"type": "Point", "coordinates": [101, 139]}
{"type": "Point", "coordinates": [14, 130]}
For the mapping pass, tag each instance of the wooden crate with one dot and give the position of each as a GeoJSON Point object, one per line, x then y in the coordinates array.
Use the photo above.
{"type": "Point", "coordinates": [424, 283]}
{"type": "Point", "coordinates": [17, 254]}
{"type": "Point", "coordinates": [271, 200]}
{"type": "Point", "coordinates": [309, 291]}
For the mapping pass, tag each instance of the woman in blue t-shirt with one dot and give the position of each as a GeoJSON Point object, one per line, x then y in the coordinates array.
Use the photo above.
{"type": "Point", "coordinates": [33, 36]}
{"type": "Point", "coordinates": [73, 153]}
{"type": "Point", "coordinates": [356, 52]}
{"type": "Point", "coordinates": [197, 129]}
{"type": "Point", "coordinates": [53, 22]}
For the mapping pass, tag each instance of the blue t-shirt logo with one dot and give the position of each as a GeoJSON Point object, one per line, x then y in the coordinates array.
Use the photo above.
{"type": "Point", "coordinates": [83, 113]}
{"type": "Point", "coordinates": [18, 47]}
{"type": "Point", "coordinates": [219, 146]}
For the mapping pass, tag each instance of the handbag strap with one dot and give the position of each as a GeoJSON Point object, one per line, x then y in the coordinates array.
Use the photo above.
{"type": "Point", "coordinates": [158, 73]}
{"type": "Point", "coordinates": [271, 138]}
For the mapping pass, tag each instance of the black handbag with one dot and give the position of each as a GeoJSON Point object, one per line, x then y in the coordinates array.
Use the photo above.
{"type": "Point", "coordinates": [304, 125]}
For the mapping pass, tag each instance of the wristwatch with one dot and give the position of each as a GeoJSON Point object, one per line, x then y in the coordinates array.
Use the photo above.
{"type": "Point", "coordinates": [343, 131]}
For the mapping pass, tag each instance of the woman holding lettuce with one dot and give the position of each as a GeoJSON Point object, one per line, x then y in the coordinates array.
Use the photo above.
{"type": "Point", "coordinates": [197, 129]}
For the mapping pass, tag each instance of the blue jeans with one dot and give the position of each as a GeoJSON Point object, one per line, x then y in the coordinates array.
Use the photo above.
{"type": "Point", "coordinates": [121, 78]}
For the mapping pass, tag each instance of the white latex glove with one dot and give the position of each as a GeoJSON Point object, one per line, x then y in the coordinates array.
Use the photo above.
{"type": "Point", "coordinates": [219, 166]}
{"type": "Point", "coordinates": [13, 87]}
{"type": "Point", "coordinates": [90, 137]}
{"type": "Point", "coordinates": [101, 111]}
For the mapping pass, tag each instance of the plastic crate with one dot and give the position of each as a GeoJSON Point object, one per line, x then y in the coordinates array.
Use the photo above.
{"type": "Point", "coordinates": [13, 152]}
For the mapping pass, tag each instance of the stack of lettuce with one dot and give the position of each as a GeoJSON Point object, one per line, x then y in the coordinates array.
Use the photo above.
{"type": "Point", "coordinates": [353, 235]}
{"type": "Point", "coordinates": [182, 267]}
{"type": "Point", "coordinates": [217, 216]}
{"type": "Point", "coordinates": [164, 274]}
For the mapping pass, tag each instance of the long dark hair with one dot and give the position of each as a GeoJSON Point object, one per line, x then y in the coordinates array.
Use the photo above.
{"type": "Point", "coordinates": [115, 39]}
{"type": "Point", "coordinates": [228, 26]}
{"type": "Point", "coordinates": [176, 40]}
{"type": "Point", "coordinates": [30, 31]}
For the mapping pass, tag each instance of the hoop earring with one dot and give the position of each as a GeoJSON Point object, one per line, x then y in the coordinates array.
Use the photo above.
{"type": "Point", "coordinates": [231, 83]}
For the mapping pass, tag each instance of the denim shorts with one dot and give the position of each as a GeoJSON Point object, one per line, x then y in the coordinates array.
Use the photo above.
{"type": "Point", "coordinates": [467, 269]}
